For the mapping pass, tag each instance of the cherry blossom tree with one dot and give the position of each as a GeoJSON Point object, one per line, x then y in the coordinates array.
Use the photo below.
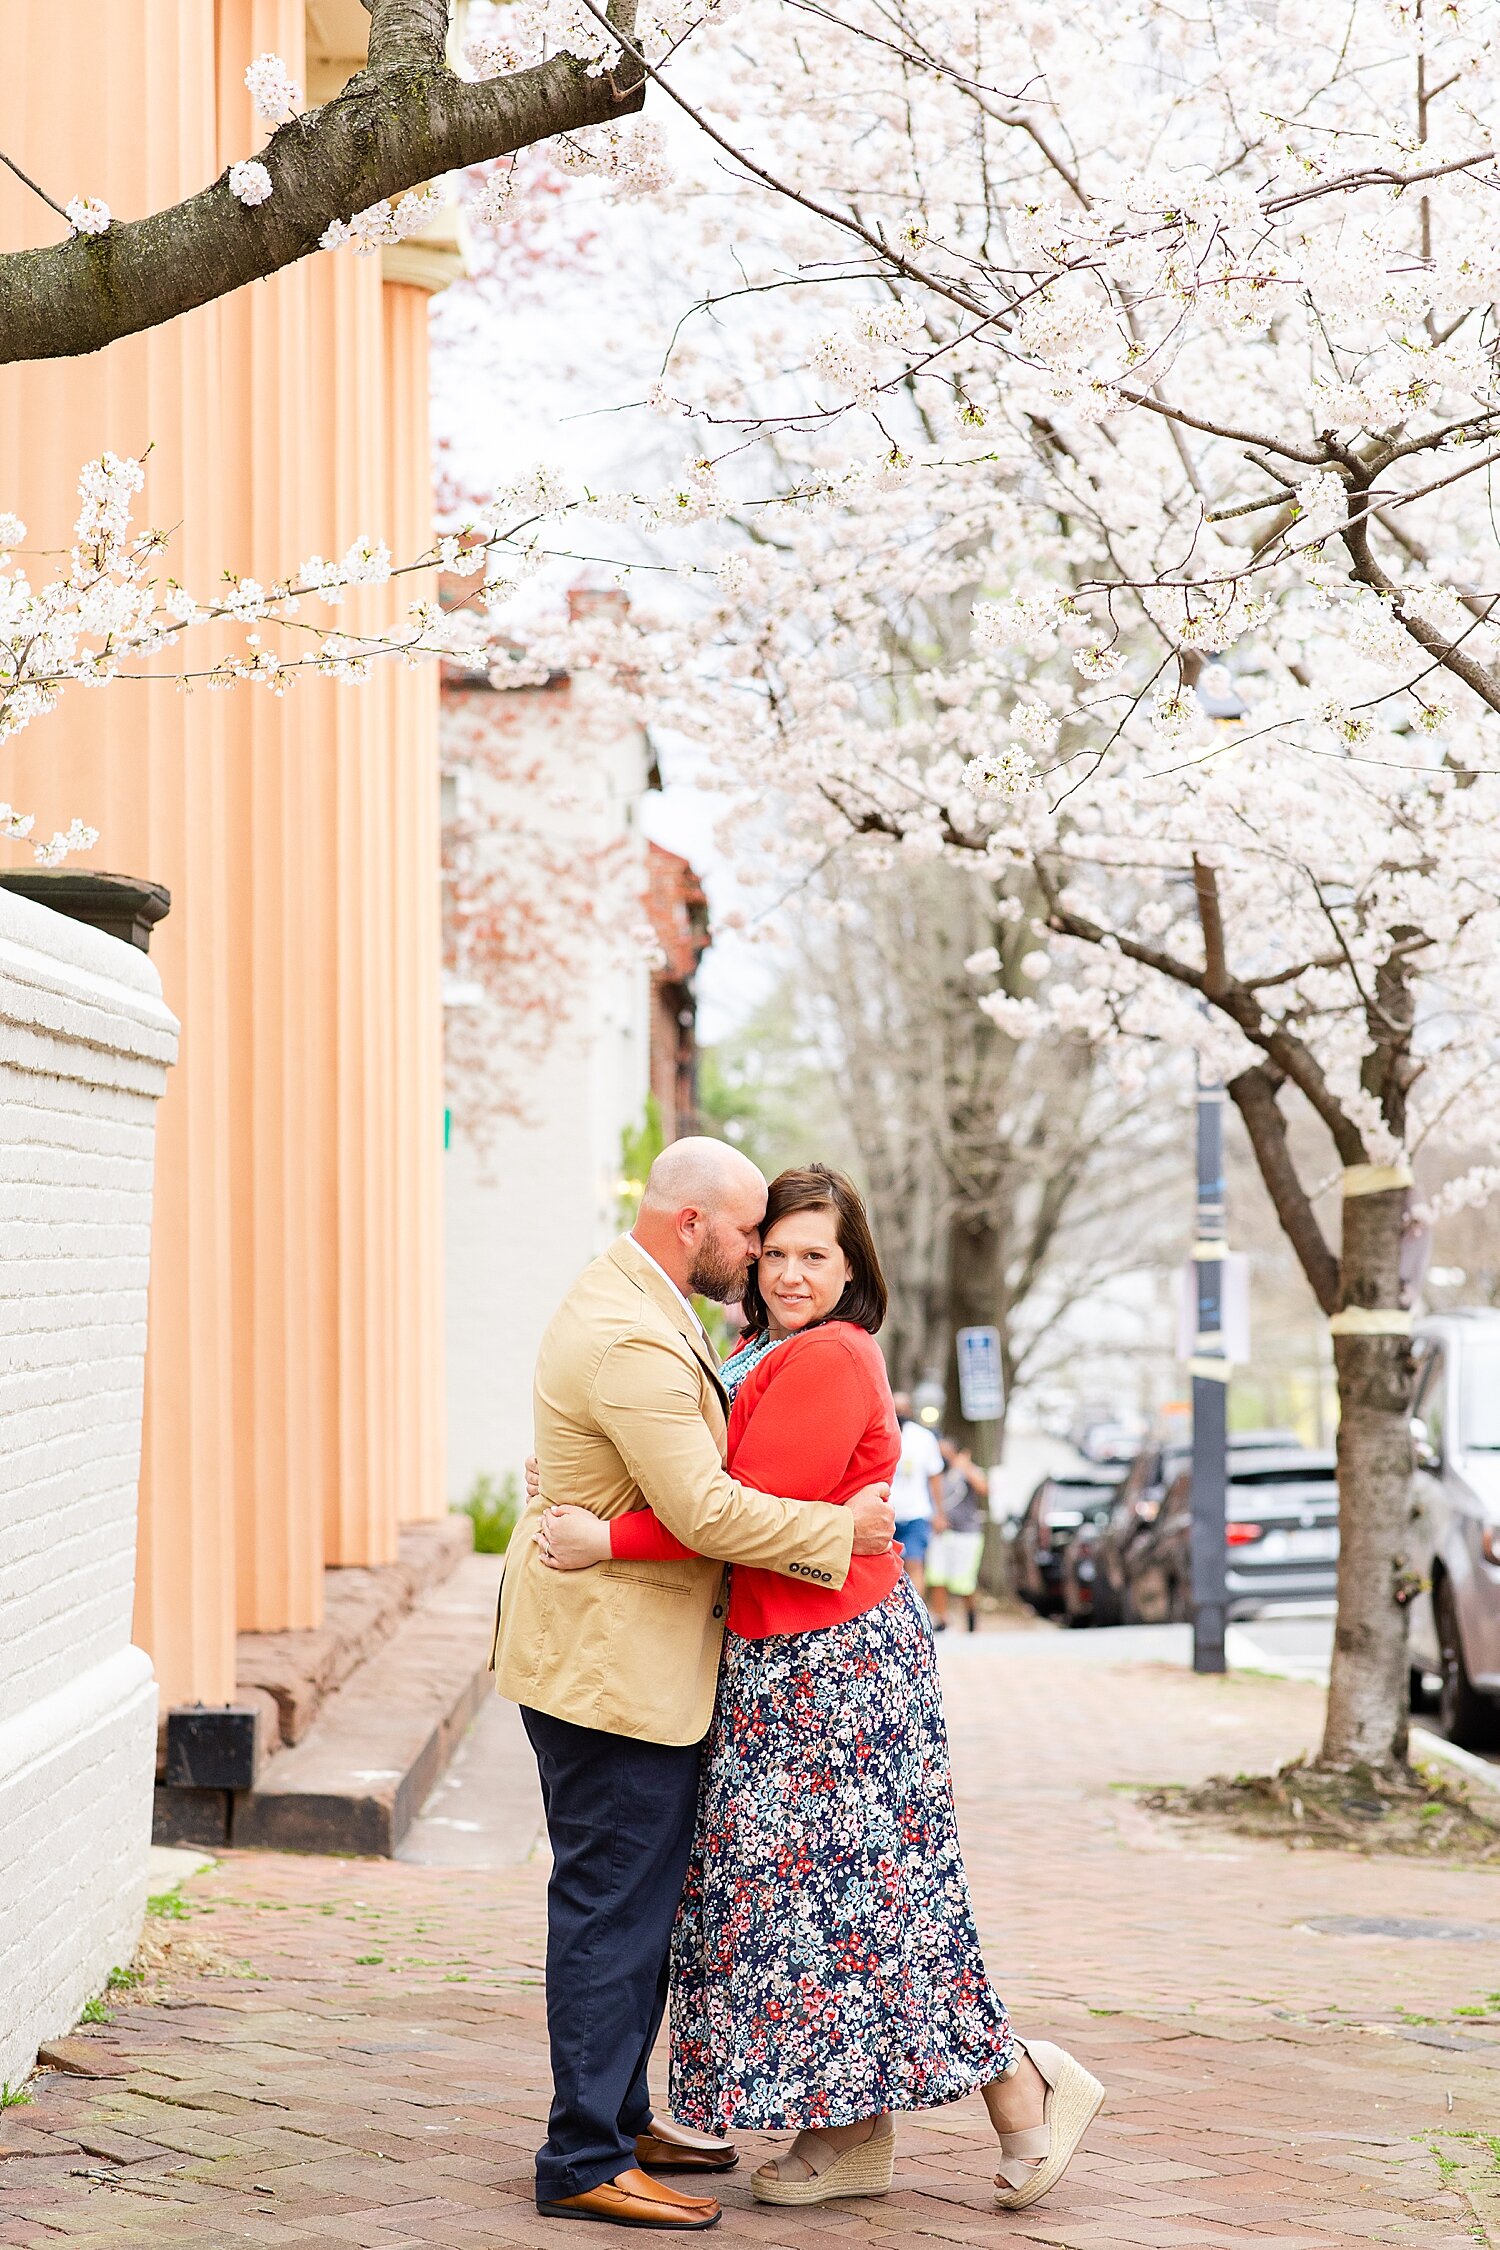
{"type": "Point", "coordinates": [543, 894]}
{"type": "Point", "coordinates": [1157, 345]}
{"type": "Point", "coordinates": [1161, 344]}
{"type": "Point", "coordinates": [1009, 1183]}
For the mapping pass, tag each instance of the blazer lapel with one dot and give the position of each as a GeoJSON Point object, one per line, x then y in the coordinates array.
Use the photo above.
{"type": "Point", "coordinates": [657, 1287]}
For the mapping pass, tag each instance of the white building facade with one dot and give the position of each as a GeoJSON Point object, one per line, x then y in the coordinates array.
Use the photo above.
{"type": "Point", "coordinates": [530, 1202]}
{"type": "Point", "coordinates": [85, 1044]}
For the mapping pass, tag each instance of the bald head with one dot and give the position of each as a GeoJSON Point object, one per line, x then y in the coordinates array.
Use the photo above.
{"type": "Point", "coordinates": [701, 1172]}
{"type": "Point", "coordinates": [700, 1216]}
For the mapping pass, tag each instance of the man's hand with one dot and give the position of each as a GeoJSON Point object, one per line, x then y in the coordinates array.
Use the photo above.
{"type": "Point", "coordinates": [874, 1519]}
{"type": "Point", "coordinates": [533, 1477]}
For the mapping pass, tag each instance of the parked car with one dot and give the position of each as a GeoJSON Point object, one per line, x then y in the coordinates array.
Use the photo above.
{"type": "Point", "coordinates": [1137, 1505]}
{"type": "Point", "coordinates": [1455, 1621]}
{"type": "Point", "coordinates": [1054, 1513]}
{"type": "Point", "coordinates": [1079, 1578]}
{"type": "Point", "coordinates": [1281, 1529]}
{"type": "Point", "coordinates": [1134, 1511]}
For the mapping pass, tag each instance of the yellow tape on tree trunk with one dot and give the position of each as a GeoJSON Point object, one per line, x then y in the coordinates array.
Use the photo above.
{"type": "Point", "coordinates": [1370, 1320]}
{"type": "Point", "coordinates": [1375, 1179]}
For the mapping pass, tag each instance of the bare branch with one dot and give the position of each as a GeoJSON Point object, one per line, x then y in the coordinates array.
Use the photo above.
{"type": "Point", "coordinates": [1254, 1093]}
{"type": "Point", "coordinates": [26, 180]}
{"type": "Point", "coordinates": [1216, 979]}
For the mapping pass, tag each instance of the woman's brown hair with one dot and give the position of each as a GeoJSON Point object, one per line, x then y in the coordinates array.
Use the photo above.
{"type": "Point", "coordinates": [816, 1187]}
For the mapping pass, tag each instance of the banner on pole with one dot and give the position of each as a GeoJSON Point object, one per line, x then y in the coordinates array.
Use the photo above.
{"type": "Point", "coordinates": [981, 1385]}
{"type": "Point", "coordinates": [1235, 1315]}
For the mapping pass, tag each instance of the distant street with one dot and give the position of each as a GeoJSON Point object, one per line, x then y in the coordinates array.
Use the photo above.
{"type": "Point", "coordinates": [486, 1812]}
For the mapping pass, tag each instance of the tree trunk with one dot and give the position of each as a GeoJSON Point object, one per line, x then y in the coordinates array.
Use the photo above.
{"type": "Point", "coordinates": [974, 1301]}
{"type": "Point", "coordinates": [1368, 1689]}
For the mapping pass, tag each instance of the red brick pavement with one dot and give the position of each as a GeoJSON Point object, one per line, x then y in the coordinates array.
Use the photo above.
{"type": "Point", "coordinates": [367, 2068]}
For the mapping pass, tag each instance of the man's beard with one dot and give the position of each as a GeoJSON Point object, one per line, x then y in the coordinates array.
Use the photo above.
{"type": "Point", "coordinates": [714, 1274]}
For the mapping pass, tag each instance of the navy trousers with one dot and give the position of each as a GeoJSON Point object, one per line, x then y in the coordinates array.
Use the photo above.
{"type": "Point", "coordinates": [620, 1818]}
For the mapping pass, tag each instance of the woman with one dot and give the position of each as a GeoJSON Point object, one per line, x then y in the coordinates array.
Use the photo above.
{"type": "Point", "coordinates": [826, 1971]}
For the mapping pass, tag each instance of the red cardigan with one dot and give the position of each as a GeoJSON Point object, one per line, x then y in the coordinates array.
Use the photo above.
{"type": "Point", "coordinates": [812, 1421]}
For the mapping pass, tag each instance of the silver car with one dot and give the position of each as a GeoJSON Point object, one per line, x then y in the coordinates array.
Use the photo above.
{"type": "Point", "coordinates": [1455, 1620]}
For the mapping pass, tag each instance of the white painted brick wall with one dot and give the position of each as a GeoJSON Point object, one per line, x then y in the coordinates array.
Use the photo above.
{"type": "Point", "coordinates": [85, 1043]}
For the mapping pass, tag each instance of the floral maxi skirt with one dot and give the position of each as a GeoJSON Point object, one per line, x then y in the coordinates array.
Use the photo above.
{"type": "Point", "coordinates": [825, 1963]}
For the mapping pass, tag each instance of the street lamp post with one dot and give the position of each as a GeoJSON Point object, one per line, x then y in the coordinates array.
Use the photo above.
{"type": "Point", "coordinates": [1209, 1367]}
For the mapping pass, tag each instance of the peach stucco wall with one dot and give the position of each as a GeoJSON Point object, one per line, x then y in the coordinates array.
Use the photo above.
{"type": "Point", "coordinates": [293, 1374]}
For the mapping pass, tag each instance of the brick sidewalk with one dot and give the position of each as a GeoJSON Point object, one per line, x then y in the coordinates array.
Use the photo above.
{"type": "Point", "coordinates": [366, 2067]}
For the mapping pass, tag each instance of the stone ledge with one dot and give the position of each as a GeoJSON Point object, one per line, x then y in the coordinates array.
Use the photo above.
{"type": "Point", "coordinates": [362, 1609]}
{"type": "Point", "coordinates": [363, 1770]}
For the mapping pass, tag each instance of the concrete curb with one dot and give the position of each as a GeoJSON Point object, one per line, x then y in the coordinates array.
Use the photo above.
{"type": "Point", "coordinates": [1246, 1655]}
{"type": "Point", "coordinates": [1426, 1744]}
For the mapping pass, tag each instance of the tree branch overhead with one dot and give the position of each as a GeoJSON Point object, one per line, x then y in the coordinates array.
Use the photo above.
{"type": "Point", "coordinates": [403, 121]}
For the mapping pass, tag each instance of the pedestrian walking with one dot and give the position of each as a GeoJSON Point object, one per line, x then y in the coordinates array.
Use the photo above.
{"type": "Point", "coordinates": [954, 1556]}
{"type": "Point", "coordinates": [826, 1969]}
{"type": "Point", "coordinates": [916, 1491]}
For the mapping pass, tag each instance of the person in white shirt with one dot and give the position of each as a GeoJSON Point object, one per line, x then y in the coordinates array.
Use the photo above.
{"type": "Point", "coordinates": [916, 1491]}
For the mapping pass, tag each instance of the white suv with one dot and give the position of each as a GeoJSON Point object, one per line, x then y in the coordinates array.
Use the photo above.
{"type": "Point", "coordinates": [1455, 1621]}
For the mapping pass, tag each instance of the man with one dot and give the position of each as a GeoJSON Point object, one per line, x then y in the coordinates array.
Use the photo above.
{"type": "Point", "coordinates": [956, 1551]}
{"type": "Point", "coordinates": [916, 1491]}
{"type": "Point", "coordinates": [615, 1668]}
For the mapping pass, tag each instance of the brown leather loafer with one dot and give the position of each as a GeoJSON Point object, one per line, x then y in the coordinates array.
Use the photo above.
{"type": "Point", "coordinates": [670, 2147]}
{"type": "Point", "coordinates": [630, 2199]}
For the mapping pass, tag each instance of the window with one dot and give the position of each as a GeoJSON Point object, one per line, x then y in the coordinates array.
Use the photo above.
{"type": "Point", "coordinates": [1479, 1394]}
{"type": "Point", "coordinates": [1432, 1403]}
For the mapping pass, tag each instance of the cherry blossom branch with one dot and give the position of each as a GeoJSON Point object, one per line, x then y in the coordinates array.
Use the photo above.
{"type": "Point", "coordinates": [406, 119]}
{"type": "Point", "coordinates": [844, 221]}
{"type": "Point", "coordinates": [1232, 1000]}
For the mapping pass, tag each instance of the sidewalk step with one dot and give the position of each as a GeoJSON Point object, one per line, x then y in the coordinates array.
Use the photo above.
{"type": "Point", "coordinates": [359, 1776]}
{"type": "Point", "coordinates": [487, 1809]}
{"type": "Point", "coordinates": [362, 1608]}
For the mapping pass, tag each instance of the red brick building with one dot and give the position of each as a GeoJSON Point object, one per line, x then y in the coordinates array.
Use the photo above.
{"type": "Point", "coordinates": [678, 910]}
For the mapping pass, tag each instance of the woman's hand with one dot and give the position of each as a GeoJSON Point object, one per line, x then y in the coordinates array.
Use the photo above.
{"type": "Point", "coordinates": [572, 1538]}
{"type": "Point", "coordinates": [533, 1478]}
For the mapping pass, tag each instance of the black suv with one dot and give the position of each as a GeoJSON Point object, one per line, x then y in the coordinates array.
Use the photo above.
{"type": "Point", "coordinates": [1056, 1511]}
{"type": "Point", "coordinates": [1282, 1532]}
{"type": "Point", "coordinates": [1122, 1542]}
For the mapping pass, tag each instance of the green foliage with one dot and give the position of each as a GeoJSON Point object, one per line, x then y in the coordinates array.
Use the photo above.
{"type": "Point", "coordinates": [123, 1980]}
{"type": "Point", "coordinates": [94, 2011]}
{"type": "Point", "coordinates": [716, 1324]}
{"type": "Point", "coordinates": [12, 2097]}
{"type": "Point", "coordinates": [640, 1146]}
{"type": "Point", "coordinates": [168, 1907]}
{"type": "Point", "coordinates": [494, 1507]}
{"type": "Point", "coordinates": [767, 1089]}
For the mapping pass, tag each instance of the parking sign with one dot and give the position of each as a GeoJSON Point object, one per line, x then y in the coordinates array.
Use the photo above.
{"type": "Point", "coordinates": [981, 1386]}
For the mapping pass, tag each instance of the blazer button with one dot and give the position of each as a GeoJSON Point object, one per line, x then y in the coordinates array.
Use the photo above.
{"type": "Point", "coordinates": [718, 1609]}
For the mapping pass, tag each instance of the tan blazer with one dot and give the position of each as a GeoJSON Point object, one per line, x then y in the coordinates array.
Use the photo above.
{"type": "Point", "coordinates": [630, 1413]}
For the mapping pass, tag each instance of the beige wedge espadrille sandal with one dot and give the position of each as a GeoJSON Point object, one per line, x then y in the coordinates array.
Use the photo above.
{"type": "Point", "coordinates": [864, 2169]}
{"type": "Point", "coordinates": [1032, 2162]}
